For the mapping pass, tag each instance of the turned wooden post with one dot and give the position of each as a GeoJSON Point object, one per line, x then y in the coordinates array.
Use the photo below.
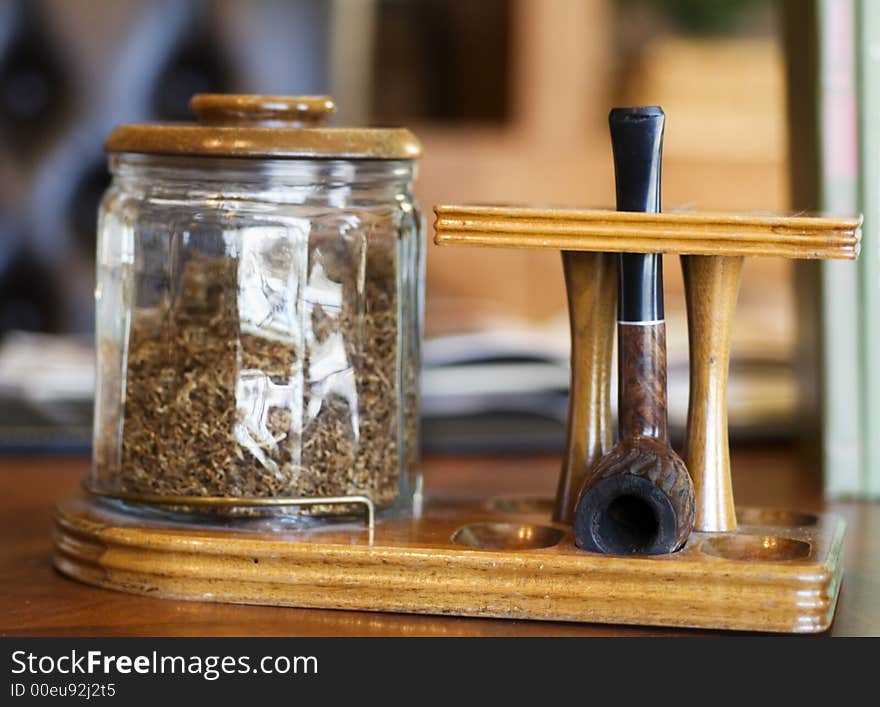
{"type": "Point", "coordinates": [711, 286]}
{"type": "Point", "coordinates": [590, 284]}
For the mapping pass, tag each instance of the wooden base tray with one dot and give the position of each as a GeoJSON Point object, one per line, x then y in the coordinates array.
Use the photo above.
{"type": "Point", "coordinates": [780, 571]}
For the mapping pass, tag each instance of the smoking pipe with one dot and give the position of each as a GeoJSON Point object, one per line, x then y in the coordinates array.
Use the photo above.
{"type": "Point", "coordinates": [638, 499]}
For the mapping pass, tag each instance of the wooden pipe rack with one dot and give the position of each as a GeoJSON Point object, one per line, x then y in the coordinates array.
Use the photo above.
{"type": "Point", "coordinates": [712, 247]}
{"type": "Point", "coordinates": [742, 568]}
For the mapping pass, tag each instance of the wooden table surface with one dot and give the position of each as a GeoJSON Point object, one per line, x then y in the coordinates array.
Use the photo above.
{"type": "Point", "coordinates": [37, 601]}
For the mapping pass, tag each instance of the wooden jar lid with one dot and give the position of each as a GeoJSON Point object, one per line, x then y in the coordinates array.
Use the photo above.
{"type": "Point", "coordinates": [231, 125]}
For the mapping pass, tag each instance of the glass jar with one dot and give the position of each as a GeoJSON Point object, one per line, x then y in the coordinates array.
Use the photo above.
{"type": "Point", "coordinates": [259, 304]}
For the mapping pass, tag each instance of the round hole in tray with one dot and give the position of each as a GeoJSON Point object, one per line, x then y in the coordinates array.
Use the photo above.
{"type": "Point", "coordinates": [524, 504]}
{"type": "Point", "coordinates": [771, 516]}
{"type": "Point", "coordinates": [507, 536]}
{"type": "Point", "coordinates": [760, 548]}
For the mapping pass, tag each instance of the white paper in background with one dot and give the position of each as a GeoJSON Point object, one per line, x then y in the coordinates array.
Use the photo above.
{"type": "Point", "coordinates": [44, 367]}
{"type": "Point", "coordinates": [520, 367]}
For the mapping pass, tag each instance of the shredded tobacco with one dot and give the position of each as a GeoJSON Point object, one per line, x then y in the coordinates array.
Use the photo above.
{"type": "Point", "coordinates": [217, 406]}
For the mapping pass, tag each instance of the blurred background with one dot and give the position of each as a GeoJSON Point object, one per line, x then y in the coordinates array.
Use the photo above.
{"type": "Point", "coordinates": [510, 98]}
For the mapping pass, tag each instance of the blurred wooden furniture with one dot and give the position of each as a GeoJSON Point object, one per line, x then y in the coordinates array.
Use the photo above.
{"type": "Point", "coordinates": [570, 61]}
{"type": "Point", "coordinates": [38, 601]}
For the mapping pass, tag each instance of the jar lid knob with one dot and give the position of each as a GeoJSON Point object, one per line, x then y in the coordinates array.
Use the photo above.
{"type": "Point", "coordinates": [242, 110]}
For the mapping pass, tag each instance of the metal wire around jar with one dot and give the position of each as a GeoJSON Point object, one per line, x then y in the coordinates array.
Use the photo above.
{"type": "Point", "coordinates": [232, 501]}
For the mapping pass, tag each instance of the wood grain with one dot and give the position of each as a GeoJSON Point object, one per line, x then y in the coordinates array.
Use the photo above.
{"type": "Point", "coordinates": [246, 125]}
{"type": "Point", "coordinates": [590, 282]}
{"type": "Point", "coordinates": [642, 454]}
{"type": "Point", "coordinates": [711, 288]}
{"type": "Point", "coordinates": [752, 581]}
{"type": "Point", "coordinates": [37, 601]}
{"type": "Point", "coordinates": [620, 474]}
{"type": "Point", "coordinates": [690, 233]}
{"type": "Point", "coordinates": [641, 391]}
